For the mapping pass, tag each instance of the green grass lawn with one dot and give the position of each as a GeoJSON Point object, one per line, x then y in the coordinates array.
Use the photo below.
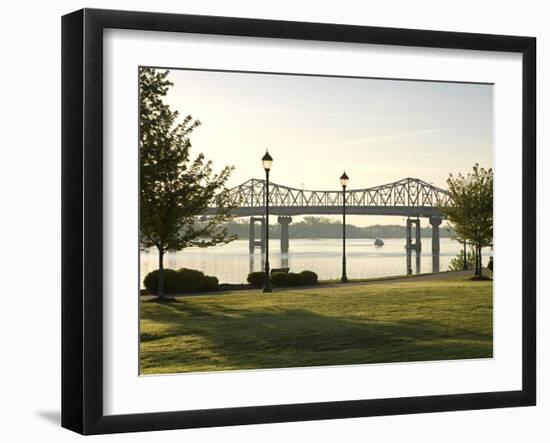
{"type": "Point", "coordinates": [409, 321]}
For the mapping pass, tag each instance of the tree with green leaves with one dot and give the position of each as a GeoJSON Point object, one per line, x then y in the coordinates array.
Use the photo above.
{"type": "Point", "coordinates": [457, 263]}
{"type": "Point", "coordinates": [175, 189]}
{"type": "Point", "coordinates": [471, 211]}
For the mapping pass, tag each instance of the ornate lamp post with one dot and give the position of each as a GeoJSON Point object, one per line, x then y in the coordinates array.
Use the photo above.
{"type": "Point", "coordinates": [344, 179]}
{"type": "Point", "coordinates": [267, 161]}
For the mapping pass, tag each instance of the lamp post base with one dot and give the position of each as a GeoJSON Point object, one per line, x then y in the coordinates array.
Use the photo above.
{"type": "Point", "coordinates": [344, 278]}
{"type": "Point", "coordinates": [267, 285]}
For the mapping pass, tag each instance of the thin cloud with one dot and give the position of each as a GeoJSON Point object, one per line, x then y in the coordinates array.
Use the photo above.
{"type": "Point", "coordinates": [385, 138]}
{"type": "Point", "coordinates": [307, 112]}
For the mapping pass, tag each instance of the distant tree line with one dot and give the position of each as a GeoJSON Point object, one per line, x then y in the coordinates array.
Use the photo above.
{"type": "Point", "coordinates": [324, 227]}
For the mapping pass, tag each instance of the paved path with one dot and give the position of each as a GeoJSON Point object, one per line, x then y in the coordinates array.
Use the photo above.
{"type": "Point", "coordinates": [426, 277]}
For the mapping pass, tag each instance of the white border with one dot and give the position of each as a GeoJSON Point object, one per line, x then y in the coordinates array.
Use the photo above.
{"type": "Point", "coordinates": [126, 392]}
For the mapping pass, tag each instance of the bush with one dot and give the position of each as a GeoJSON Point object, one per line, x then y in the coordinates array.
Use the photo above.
{"type": "Point", "coordinates": [183, 280]}
{"type": "Point", "coordinates": [281, 279]}
{"type": "Point", "coordinates": [171, 281]}
{"type": "Point", "coordinates": [490, 264]}
{"type": "Point", "coordinates": [190, 280]}
{"type": "Point", "coordinates": [284, 279]}
{"type": "Point", "coordinates": [457, 263]}
{"type": "Point", "coordinates": [209, 283]}
{"type": "Point", "coordinates": [309, 278]}
{"type": "Point", "coordinates": [304, 278]}
{"type": "Point", "coordinates": [256, 279]}
{"type": "Point", "coordinates": [295, 279]}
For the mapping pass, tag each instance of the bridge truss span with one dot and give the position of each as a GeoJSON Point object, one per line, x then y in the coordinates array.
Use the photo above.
{"type": "Point", "coordinates": [409, 197]}
{"type": "Point", "coordinates": [406, 197]}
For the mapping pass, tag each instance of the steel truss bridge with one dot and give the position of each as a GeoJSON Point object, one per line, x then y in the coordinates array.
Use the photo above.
{"type": "Point", "coordinates": [409, 197]}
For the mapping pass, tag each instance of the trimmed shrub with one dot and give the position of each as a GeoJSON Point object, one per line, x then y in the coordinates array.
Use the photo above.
{"type": "Point", "coordinates": [171, 281]}
{"type": "Point", "coordinates": [281, 279]}
{"type": "Point", "coordinates": [190, 280]}
{"type": "Point", "coordinates": [309, 278]}
{"type": "Point", "coordinates": [209, 283]}
{"type": "Point", "coordinates": [183, 280]}
{"type": "Point", "coordinates": [295, 279]}
{"type": "Point", "coordinates": [256, 279]}
{"type": "Point", "coordinates": [490, 264]}
{"type": "Point", "coordinates": [304, 278]}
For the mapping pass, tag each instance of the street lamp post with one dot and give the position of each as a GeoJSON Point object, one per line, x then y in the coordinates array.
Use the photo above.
{"type": "Point", "coordinates": [344, 179]}
{"type": "Point", "coordinates": [267, 161]}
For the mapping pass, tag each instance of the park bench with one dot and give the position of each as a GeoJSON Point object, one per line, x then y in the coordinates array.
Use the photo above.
{"type": "Point", "coordinates": [280, 270]}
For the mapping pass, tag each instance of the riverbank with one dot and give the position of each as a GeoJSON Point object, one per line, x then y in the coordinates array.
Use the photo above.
{"type": "Point", "coordinates": [226, 289]}
{"type": "Point", "coordinates": [419, 318]}
{"type": "Point", "coordinates": [232, 263]}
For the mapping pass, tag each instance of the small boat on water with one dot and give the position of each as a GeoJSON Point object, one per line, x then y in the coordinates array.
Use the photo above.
{"type": "Point", "coordinates": [378, 242]}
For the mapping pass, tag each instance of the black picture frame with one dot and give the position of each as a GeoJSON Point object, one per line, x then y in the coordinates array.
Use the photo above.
{"type": "Point", "coordinates": [82, 216]}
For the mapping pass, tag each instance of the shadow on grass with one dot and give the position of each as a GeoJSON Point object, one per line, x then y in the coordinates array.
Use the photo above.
{"type": "Point", "coordinates": [196, 338]}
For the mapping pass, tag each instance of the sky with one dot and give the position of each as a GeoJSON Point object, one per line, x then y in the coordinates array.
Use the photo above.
{"type": "Point", "coordinates": [377, 130]}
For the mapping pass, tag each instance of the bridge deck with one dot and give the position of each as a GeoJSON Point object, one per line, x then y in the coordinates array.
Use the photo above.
{"type": "Point", "coordinates": [404, 211]}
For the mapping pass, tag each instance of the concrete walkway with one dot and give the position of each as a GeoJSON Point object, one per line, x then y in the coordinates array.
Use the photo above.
{"type": "Point", "coordinates": [400, 279]}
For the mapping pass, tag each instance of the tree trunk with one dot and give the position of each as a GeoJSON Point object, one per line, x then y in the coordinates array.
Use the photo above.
{"type": "Point", "coordinates": [480, 265]}
{"type": "Point", "coordinates": [476, 261]}
{"type": "Point", "coordinates": [161, 274]}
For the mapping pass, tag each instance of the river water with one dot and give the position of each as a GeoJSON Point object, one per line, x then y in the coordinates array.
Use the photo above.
{"type": "Point", "coordinates": [231, 263]}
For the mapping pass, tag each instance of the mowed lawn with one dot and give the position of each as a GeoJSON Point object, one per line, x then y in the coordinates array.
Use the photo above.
{"type": "Point", "coordinates": [409, 321]}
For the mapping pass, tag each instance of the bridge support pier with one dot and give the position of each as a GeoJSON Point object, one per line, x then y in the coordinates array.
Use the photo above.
{"type": "Point", "coordinates": [284, 261]}
{"type": "Point", "coordinates": [252, 242]}
{"type": "Point", "coordinates": [254, 265]}
{"type": "Point", "coordinates": [435, 222]}
{"type": "Point", "coordinates": [284, 221]}
{"type": "Point", "coordinates": [416, 246]}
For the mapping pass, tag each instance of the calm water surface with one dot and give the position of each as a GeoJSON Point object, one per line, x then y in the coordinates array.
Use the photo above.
{"type": "Point", "coordinates": [231, 263]}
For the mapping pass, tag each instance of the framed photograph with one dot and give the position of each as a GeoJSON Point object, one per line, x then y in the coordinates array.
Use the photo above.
{"type": "Point", "coordinates": [268, 221]}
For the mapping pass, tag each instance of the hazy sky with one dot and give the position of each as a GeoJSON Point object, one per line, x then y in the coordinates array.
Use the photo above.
{"type": "Point", "coordinates": [378, 131]}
